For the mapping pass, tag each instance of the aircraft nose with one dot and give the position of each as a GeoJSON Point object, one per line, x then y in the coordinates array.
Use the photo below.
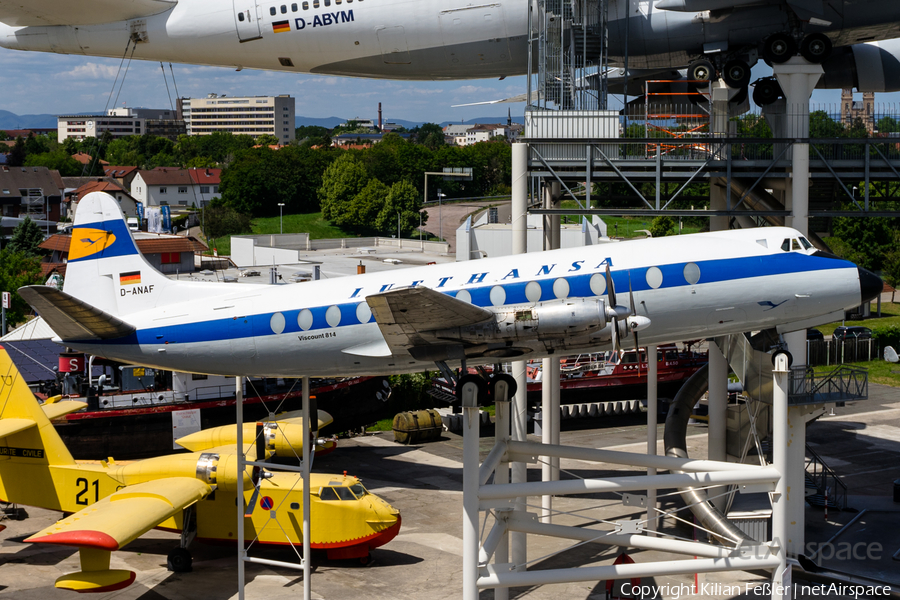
{"type": "Point", "coordinates": [870, 284]}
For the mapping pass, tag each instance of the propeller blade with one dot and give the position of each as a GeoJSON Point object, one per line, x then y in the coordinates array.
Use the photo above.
{"type": "Point", "coordinates": [615, 334]}
{"type": "Point", "coordinates": [255, 478]}
{"type": "Point", "coordinates": [610, 288]}
{"type": "Point", "coordinates": [260, 442]}
{"type": "Point", "coordinates": [631, 295]}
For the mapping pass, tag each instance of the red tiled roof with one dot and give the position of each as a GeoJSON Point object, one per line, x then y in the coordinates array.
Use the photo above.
{"type": "Point", "coordinates": [98, 186]}
{"type": "Point", "coordinates": [61, 243]}
{"type": "Point", "coordinates": [206, 176]}
{"type": "Point", "coordinates": [118, 172]}
{"type": "Point", "coordinates": [49, 267]}
{"type": "Point", "coordinates": [176, 176]}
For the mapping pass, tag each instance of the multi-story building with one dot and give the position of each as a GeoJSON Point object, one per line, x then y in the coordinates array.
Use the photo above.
{"type": "Point", "coordinates": [176, 187]}
{"type": "Point", "coordinates": [251, 115]}
{"type": "Point", "coordinates": [120, 122]}
{"type": "Point", "coordinates": [34, 192]}
{"type": "Point", "coordinates": [853, 110]}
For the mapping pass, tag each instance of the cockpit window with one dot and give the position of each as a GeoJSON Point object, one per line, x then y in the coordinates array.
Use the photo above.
{"type": "Point", "coordinates": [806, 244]}
{"type": "Point", "coordinates": [344, 493]}
{"type": "Point", "coordinates": [327, 493]}
{"type": "Point", "coordinates": [763, 243]}
{"type": "Point", "coordinates": [786, 245]}
{"type": "Point", "coordinates": [795, 245]}
{"type": "Point", "coordinates": [358, 490]}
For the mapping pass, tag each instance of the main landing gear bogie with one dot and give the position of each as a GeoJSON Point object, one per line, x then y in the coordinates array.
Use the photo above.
{"type": "Point", "coordinates": [780, 47]}
{"type": "Point", "coordinates": [488, 388]}
{"type": "Point", "coordinates": [179, 560]}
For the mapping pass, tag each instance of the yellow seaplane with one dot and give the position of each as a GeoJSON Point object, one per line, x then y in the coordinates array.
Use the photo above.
{"type": "Point", "coordinates": [192, 493]}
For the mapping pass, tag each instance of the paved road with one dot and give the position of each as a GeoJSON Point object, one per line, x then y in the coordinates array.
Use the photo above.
{"type": "Point", "coordinates": [450, 216]}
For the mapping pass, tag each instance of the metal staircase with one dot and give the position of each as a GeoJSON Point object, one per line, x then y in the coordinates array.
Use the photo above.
{"type": "Point", "coordinates": [822, 482]}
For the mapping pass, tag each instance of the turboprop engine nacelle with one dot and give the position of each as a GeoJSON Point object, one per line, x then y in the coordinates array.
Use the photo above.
{"type": "Point", "coordinates": [209, 467]}
{"type": "Point", "coordinates": [575, 318]}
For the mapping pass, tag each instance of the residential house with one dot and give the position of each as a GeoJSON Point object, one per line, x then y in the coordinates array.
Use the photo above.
{"type": "Point", "coordinates": [170, 186]}
{"type": "Point", "coordinates": [126, 202]}
{"type": "Point", "coordinates": [166, 253]}
{"type": "Point", "coordinates": [29, 191]}
{"type": "Point", "coordinates": [124, 175]}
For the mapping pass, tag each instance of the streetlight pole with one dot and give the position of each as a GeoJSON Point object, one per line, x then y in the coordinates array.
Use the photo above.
{"type": "Point", "coordinates": [440, 207]}
{"type": "Point", "coordinates": [398, 229]}
{"type": "Point", "coordinates": [281, 215]}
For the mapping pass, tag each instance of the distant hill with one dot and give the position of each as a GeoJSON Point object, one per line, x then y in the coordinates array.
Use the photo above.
{"type": "Point", "coordinates": [10, 120]}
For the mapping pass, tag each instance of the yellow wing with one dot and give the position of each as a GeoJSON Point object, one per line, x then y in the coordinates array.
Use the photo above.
{"type": "Point", "coordinates": [60, 408]}
{"type": "Point", "coordinates": [123, 516]}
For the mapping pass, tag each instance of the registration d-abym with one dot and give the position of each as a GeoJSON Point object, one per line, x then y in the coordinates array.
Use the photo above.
{"type": "Point", "coordinates": [484, 311]}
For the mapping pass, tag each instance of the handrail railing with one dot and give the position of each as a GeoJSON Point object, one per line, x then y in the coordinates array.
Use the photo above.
{"type": "Point", "coordinates": [826, 480]}
{"type": "Point", "coordinates": [840, 385]}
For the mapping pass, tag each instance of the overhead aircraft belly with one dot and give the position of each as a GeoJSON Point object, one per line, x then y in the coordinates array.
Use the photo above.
{"type": "Point", "coordinates": [21, 13]}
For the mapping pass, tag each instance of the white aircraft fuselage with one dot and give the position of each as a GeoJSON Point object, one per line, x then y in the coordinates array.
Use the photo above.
{"type": "Point", "coordinates": [529, 306]}
{"type": "Point", "coordinates": [416, 39]}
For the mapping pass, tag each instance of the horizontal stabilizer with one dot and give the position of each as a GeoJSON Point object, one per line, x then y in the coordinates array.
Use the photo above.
{"type": "Point", "coordinates": [405, 313]}
{"type": "Point", "coordinates": [77, 12]}
{"type": "Point", "coordinates": [59, 409]}
{"type": "Point", "coordinates": [96, 581]}
{"type": "Point", "coordinates": [71, 318]}
{"type": "Point", "coordinates": [9, 427]}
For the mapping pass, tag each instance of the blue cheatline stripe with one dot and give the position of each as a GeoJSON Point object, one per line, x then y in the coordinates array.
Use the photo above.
{"type": "Point", "coordinates": [711, 271]}
{"type": "Point", "coordinates": [123, 246]}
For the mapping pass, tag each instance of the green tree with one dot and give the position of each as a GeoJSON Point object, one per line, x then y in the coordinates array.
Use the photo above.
{"type": "Point", "coordinates": [342, 181]}
{"type": "Point", "coordinates": [863, 240]}
{"type": "Point", "coordinates": [58, 160]}
{"type": "Point", "coordinates": [662, 226]}
{"type": "Point", "coordinates": [266, 139]}
{"type": "Point", "coordinates": [313, 135]}
{"type": "Point", "coordinates": [26, 238]}
{"type": "Point", "coordinates": [17, 155]}
{"type": "Point", "coordinates": [890, 270]}
{"type": "Point", "coordinates": [887, 125]}
{"type": "Point", "coordinates": [219, 220]}
{"type": "Point", "coordinates": [18, 269]}
{"type": "Point", "coordinates": [3, 136]}
{"type": "Point", "coordinates": [362, 214]}
{"type": "Point", "coordinates": [430, 135]}
{"type": "Point", "coordinates": [403, 199]}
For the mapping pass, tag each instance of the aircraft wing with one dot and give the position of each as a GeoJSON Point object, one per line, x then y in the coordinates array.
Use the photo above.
{"type": "Point", "coordinates": [125, 515]}
{"type": "Point", "coordinates": [71, 318]}
{"type": "Point", "coordinates": [64, 407]}
{"type": "Point", "coordinates": [295, 417]}
{"type": "Point", "coordinates": [404, 314]}
{"type": "Point", "coordinates": [22, 13]}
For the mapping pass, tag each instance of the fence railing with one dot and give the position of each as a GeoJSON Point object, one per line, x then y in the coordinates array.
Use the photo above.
{"type": "Point", "coordinates": [840, 385]}
{"type": "Point", "coordinates": [833, 352]}
{"type": "Point", "coordinates": [825, 480]}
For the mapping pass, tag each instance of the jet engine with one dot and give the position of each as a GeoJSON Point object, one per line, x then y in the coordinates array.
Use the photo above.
{"type": "Point", "coordinates": [870, 67]}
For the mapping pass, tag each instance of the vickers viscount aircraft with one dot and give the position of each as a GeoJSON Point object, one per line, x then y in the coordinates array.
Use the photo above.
{"type": "Point", "coordinates": [443, 39]}
{"type": "Point", "coordinates": [115, 305]}
{"type": "Point", "coordinates": [195, 494]}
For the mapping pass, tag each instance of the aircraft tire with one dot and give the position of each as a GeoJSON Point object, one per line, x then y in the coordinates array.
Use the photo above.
{"type": "Point", "coordinates": [778, 48]}
{"type": "Point", "coordinates": [766, 91]}
{"type": "Point", "coordinates": [180, 560]}
{"type": "Point", "coordinates": [701, 70]}
{"type": "Point", "coordinates": [736, 74]}
{"type": "Point", "coordinates": [476, 379]}
{"type": "Point", "coordinates": [492, 383]}
{"type": "Point", "coordinates": [816, 48]}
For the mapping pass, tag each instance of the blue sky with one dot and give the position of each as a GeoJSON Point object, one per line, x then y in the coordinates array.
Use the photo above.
{"type": "Point", "coordinates": [35, 83]}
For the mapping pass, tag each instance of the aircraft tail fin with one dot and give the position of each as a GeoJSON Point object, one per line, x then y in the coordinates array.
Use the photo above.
{"type": "Point", "coordinates": [105, 268]}
{"type": "Point", "coordinates": [28, 436]}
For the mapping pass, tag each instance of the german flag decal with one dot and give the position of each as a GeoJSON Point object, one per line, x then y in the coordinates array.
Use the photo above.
{"type": "Point", "coordinates": [281, 26]}
{"type": "Point", "coordinates": [130, 278]}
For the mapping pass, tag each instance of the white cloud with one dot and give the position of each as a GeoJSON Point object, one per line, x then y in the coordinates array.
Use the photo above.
{"type": "Point", "coordinates": [91, 70]}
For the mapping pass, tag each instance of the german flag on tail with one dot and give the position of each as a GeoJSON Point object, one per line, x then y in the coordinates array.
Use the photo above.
{"type": "Point", "coordinates": [131, 278]}
{"type": "Point", "coordinates": [281, 26]}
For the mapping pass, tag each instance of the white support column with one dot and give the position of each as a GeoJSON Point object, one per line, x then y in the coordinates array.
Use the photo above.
{"type": "Point", "coordinates": [798, 78]}
{"type": "Point", "coordinates": [501, 476]}
{"type": "Point", "coordinates": [307, 454]}
{"type": "Point", "coordinates": [718, 414]}
{"type": "Point", "coordinates": [796, 454]}
{"type": "Point", "coordinates": [546, 430]}
{"type": "Point", "coordinates": [471, 514]}
{"type": "Point", "coordinates": [519, 424]}
{"type": "Point", "coordinates": [780, 440]}
{"type": "Point", "coordinates": [652, 413]}
{"type": "Point", "coordinates": [719, 94]}
{"type": "Point", "coordinates": [239, 417]}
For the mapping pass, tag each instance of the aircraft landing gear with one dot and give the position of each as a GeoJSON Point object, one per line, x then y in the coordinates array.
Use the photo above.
{"type": "Point", "coordinates": [179, 559]}
{"type": "Point", "coordinates": [766, 91]}
{"type": "Point", "coordinates": [701, 70]}
{"type": "Point", "coordinates": [816, 47]}
{"type": "Point", "coordinates": [736, 74]}
{"type": "Point", "coordinates": [778, 48]}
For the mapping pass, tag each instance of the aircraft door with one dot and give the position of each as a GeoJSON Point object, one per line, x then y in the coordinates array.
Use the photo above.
{"type": "Point", "coordinates": [246, 19]}
{"type": "Point", "coordinates": [240, 332]}
{"type": "Point", "coordinates": [392, 41]}
{"type": "Point", "coordinates": [474, 35]}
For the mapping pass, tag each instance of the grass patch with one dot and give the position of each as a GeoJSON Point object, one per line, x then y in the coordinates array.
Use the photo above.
{"type": "Point", "coordinates": [382, 425]}
{"type": "Point", "coordinates": [317, 227]}
{"type": "Point", "coordinates": [880, 371]}
{"type": "Point", "coordinates": [621, 227]}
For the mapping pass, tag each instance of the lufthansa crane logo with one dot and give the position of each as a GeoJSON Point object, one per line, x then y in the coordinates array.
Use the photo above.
{"type": "Point", "coordinates": [87, 242]}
